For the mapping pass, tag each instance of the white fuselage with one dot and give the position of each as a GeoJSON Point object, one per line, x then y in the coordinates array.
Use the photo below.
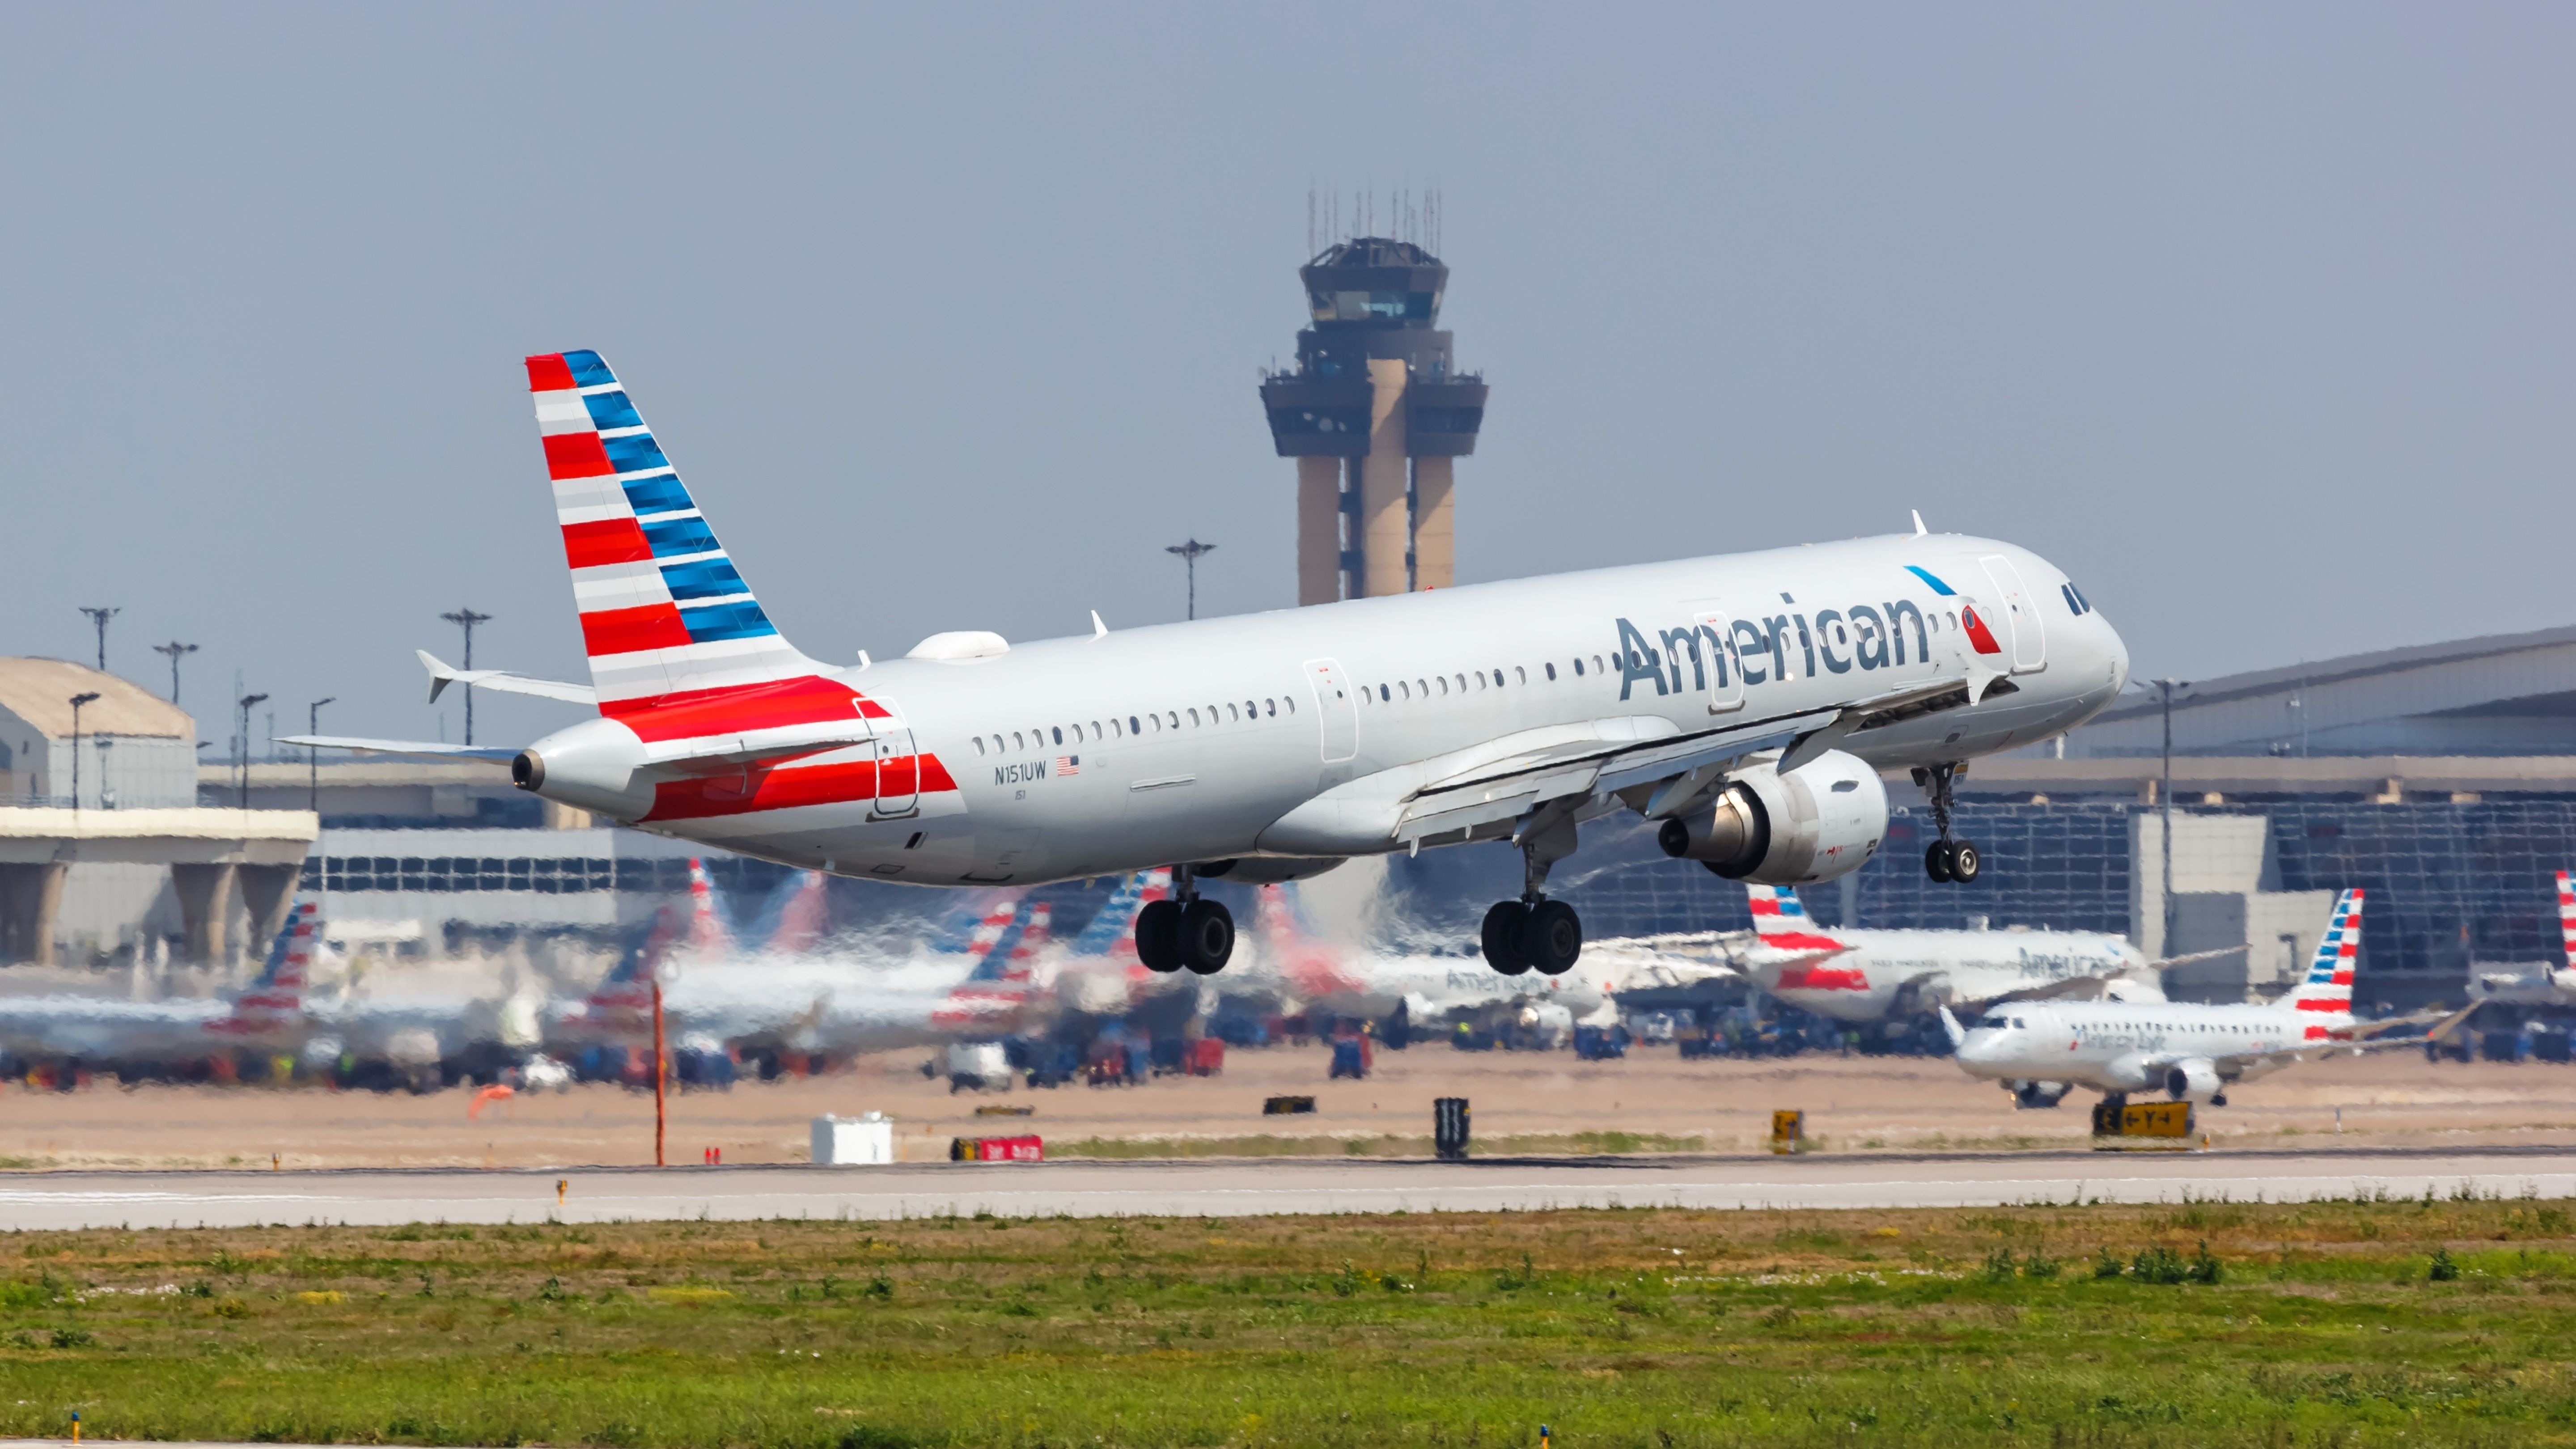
{"type": "Point", "coordinates": [1885, 973]}
{"type": "Point", "coordinates": [2117, 1046]}
{"type": "Point", "coordinates": [1300, 732]}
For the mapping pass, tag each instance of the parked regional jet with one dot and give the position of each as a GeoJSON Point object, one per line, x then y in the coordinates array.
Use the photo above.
{"type": "Point", "coordinates": [2042, 1049]}
{"type": "Point", "coordinates": [156, 1036]}
{"type": "Point", "coordinates": [1873, 975]}
{"type": "Point", "coordinates": [1747, 700]}
{"type": "Point", "coordinates": [2540, 983]}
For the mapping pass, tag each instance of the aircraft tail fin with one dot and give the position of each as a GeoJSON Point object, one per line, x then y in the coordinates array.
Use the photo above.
{"type": "Point", "coordinates": [791, 921]}
{"type": "Point", "coordinates": [709, 936]}
{"type": "Point", "coordinates": [2323, 1002]}
{"type": "Point", "coordinates": [664, 612]}
{"type": "Point", "coordinates": [1021, 963]}
{"type": "Point", "coordinates": [1780, 920]}
{"type": "Point", "coordinates": [2567, 915]}
{"type": "Point", "coordinates": [1112, 933]}
{"type": "Point", "coordinates": [275, 997]}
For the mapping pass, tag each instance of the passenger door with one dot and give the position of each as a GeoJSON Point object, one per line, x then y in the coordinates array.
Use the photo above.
{"type": "Point", "coordinates": [898, 773]}
{"type": "Point", "coordinates": [1334, 706]}
{"type": "Point", "coordinates": [1725, 678]}
{"type": "Point", "coordinates": [2029, 644]}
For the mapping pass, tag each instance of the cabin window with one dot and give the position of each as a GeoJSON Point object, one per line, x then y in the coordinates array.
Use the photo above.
{"type": "Point", "coordinates": [1194, 717]}
{"type": "Point", "coordinates": [1095, 730]}
{"type": "Point", "coordinates": [1520, 675]}
{"type": "Point", "coordinates": [1462, 684]}
{"type": "Point", "coordinates": [1016, 742]}
{"type": "Point", "coordinates": [1250, 711]}
{"type": "Point", "coordinates": [1444, 684]}
{"type": "Point", "coordinates": [1381, 694]}
{"type": "Point", "coordinates": [1059, 735]}
{"type": "Point", "coordinates": [1597, 665]}
{"type": "Point", "coordinates": [1292, 704]}
{"type": "Point", "coordinates": [1273, 711]}
{"type": "Point", "coordinates": [979, 744]}
{"type": "Point", "coordinates": [1404, 689]}
{"type": "Point", "coordinates": [1551, 671]}
{"type": "Point", "coordinates": [1230, 713]}
{"type": "Point", "coordinates": [1173, 717]}
{"type": "Point", "coordinates": [1578, 669]}
{"type": "Point", "coordinates": [1424, 687]}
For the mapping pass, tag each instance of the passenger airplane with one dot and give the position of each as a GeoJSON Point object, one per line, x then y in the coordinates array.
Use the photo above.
{"type": "Point", "coordinates": [147, 1037]}
{"type": "Point", "coordinates": [1873, 975]}
{"type": "Point", "coordinates": [1747, 700]}
{"type": "Point", "coordinates": [2042, 1049]}
{"type": "Point", "coordinates": [2540, 983]}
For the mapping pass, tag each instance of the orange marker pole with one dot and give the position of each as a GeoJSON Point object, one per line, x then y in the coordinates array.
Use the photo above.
{"type": "Point", "coordinates": [661, 1119]}
{"type": "Point", "coordinates": [75, 1426]}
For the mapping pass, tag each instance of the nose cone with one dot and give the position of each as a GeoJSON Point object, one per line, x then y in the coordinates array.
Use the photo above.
{"type": "Point", "coordinates": [2118, 649]}
{"type": "Point", "coordinates": [1980, 1047]}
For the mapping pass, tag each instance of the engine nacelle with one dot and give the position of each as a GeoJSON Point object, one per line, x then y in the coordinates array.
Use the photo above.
{"type": "Point", "coordinates": [2195, 1080]}
{"type": "Point", "coordinates": [1822, 820]}
{"type": "Point", "coordinates": [596, 765]}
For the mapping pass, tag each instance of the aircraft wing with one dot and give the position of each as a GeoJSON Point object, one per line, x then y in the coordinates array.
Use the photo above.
{"type": "Point", "coordinates": [420, 749]}
{"type": "Point", "coordinates": [2080, 986]}
{"type": "Point", "coordinates": [1583, 762]}
{"type": "Point", "coordinates": [442, 675]}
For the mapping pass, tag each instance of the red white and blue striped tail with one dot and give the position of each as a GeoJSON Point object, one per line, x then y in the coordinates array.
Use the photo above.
{"type": "Point", "coordinates": [2324, 1000]}
{"type": "Point", "coordinates": [1780, 920]}
{"type": "Point", "coordinates": [275, 1000]}
{"type": "Point", "coordinates": [2567, 915]}
{"type": "Point", "coordinates": [664, 612]}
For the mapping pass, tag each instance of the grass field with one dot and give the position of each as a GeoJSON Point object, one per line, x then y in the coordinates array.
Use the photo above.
{"type": "Point", "coordinates": [2408, 1322]}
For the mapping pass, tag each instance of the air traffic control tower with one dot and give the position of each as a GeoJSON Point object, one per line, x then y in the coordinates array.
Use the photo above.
{"type": "Point", "coordinates": [1374, 412]}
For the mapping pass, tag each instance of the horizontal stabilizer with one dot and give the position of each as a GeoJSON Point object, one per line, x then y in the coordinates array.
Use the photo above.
{"type": "Point", "coordinates": [422, 749]}
{"type": "Point", "coordinates": [442, 675]}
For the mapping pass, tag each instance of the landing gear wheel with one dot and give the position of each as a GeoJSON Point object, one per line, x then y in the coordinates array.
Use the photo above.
{"type": "Point", "coordinates": [1206, 936]}
{"type": "Point", "coordinates": [1503, 936]}
{"type": "Point", "coordinates": [1963, 861]}
{"type": "Point", "coordinates": [1553, 938]}
{"type": "Point", "coordinates": [1936, 861]}
{"type": "Point", "coordinates": [1158, 935]}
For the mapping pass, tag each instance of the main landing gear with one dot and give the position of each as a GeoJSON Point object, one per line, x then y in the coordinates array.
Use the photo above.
{"type": "Point", "coordinates": [1533, 932]}
{"type": "Point", "coordinates": [1185, 930]}
{"type": "Point", "coordinates": [1945, 859]}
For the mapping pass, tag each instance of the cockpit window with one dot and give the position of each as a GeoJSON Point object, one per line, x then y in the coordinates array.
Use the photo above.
{"type": "Point", "coordinates": [2076, 603]}
{"type": "Point", "coordinates": [1995, 1019]}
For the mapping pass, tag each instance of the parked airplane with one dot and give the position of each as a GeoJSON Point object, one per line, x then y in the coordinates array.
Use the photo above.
{"type": "Point", "coordinates": [1875, 975]}
{"type": "Point", "coordinates": [2042, 1049]}
{"type": "Point", "coordinates": [1748, 701]}
{"type": "Point", "coordinates": [149, 1037]}
{"type": "Point", "coordinates": [2540, 983]}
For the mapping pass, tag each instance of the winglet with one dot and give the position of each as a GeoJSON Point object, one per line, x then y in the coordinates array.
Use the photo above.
{"type": "Point", "coordinates": [1951, 1025]}
{"type": "Point", "coordinates": [1098, 629]}
{"type": "Point", "coordinates": [1919, 529]}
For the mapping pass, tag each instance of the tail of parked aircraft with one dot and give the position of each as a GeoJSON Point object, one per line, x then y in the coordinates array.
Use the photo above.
{"type": "Point", "coordinates": [275, 999]}
{"type": "Point", "coordinates": [1780, 920]}
{"type": "Point", "coordinates": [2324, 1000]}
{"type": "Point", "coordinates": [1112, 933]}
{"type": "Point", "coordinates": [791, 921]}
{"type": "Point", "coordinates": [2567, 915]}
{"type": "Point", "coordinates": [709, 935]}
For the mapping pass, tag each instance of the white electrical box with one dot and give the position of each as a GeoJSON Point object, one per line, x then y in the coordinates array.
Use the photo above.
{"type": "Point", "coordinates": [853, 1141]}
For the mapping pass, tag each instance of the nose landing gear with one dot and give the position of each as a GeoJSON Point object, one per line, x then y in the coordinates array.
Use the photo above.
{"type": "Point", "coordinates": [1185, 931]}
{"type": "Point", "coordinates": [1945, 859]}
{"type": "Point", "coordinates": [1534, 933]}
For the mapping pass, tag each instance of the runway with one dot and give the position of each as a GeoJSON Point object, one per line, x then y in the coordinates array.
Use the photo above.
{"type": "Point", "coordinates": [1243, 1188]}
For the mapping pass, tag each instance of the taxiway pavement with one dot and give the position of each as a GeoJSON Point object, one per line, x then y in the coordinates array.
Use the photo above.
{"type": "Point", "coordinates": [1241, 1188]}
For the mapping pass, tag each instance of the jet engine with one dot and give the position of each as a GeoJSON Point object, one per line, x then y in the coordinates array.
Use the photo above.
{"type": "Point", "coordinates": [1267, 869]}
{"type": "Point", "coordinates": [1821, 820]}
{"type": "Point", "coordinates": [2195, 1080]}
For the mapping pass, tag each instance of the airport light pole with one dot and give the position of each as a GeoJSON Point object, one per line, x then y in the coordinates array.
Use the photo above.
{"type": "Point", "coordinates": [177, 651]}
{"type": "Point", "coordinates": [2164, 805]}
{"type": "Point", "coordinates": [313, 755]}
{"type": "Point", "coordinates": [100, 618]}
{"type": "Point", "coordinates": [241, 761]}
{"type": "Point", "coordinates": [1189, 553]}
{"type": "Point", "coordinates": [466, 619]}
{"type": "Point", "coordinates": [77, 701]}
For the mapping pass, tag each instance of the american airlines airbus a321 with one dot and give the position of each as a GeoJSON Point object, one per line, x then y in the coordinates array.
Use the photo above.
{"type": "Point", "coordinates": [1748, 701]}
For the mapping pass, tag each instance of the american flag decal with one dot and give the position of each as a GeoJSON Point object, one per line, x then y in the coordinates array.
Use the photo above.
{"type": "Point", "coordinates": [1068, 764]}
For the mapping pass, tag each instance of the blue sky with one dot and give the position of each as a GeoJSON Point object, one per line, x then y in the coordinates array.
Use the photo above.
{"type": "Point", "coordinates": [2257, 319]}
